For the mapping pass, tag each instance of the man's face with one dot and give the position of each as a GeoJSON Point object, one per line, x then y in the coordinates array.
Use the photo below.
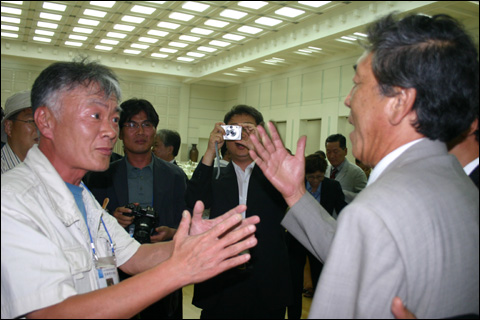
{"type": "Point", "coordinates": [86, 129]}
{"type": "Point", "coordinates": [138, 140]}
{"type": "Point", "coordinates": [367, 113]}
{"type": "Point", "coordinates": [335, 154]}
{"type": "Point", "coordinates": [22, 135]}
{"type": "Point", "coordinates": [161, 151]}
{"type": "Point", "coordinates": [315, 178]}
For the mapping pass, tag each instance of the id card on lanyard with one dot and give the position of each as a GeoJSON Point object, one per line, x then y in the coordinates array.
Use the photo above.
{"type": "Point", "coordinates": [107, 274]}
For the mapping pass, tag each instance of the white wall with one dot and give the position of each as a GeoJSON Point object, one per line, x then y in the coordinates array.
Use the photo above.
{"type": "Point", "coordinates": [308, 100]}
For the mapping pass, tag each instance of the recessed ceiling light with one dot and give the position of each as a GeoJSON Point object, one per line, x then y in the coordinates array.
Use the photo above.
{"type": "Point", "coordinates": [75, 37]}
{"type": "Point", "coordinates": [82, 30]}
{"type": "Point", "coordinates": [103, 48]}
{"type": "Point", "coordinates": [207, 49]}
{"type": "Point", "coordinates": [45, 33]}
{"type": "Point", "coordinates": [219, 43]}
{"type": "Point", "coordinates": [42, 39]}
{"type": "Point", "coordinates": [94, 13]}
{"type": "Point", "coordinates": [54, 6]}
{"type": "Point", "coordinates": [305, 50]}
{"type": "Point", "coordinates": [88, 22]}
{"type": "Point", "coordinates": [180, 16]}
{"type": "Point", "coordinates": [157, 33]}
{"type": "Point", "coordinates": [168, 50]}
{"type": "Point", "coordinates": [216, 23]}
{"type": "Point", "coordinates": [233, 14]}
{"type": "Point", "coordinates": [348, 38]}
{"type": "Point", "coordinates": [168, 25]}
{"type": "Point", "coordinates": [177, 44]}
{"type": "Point", "coordinates": [315, 4]}
{"type": "Point", "coordinates": [195, 54]}
{"type": "Point", "coordinates": [360, 34]}
{"type": "Point", "coordinates": [11, 20]}
{"type": "Point", "coordinates": [10, 35]}
{"type": "Point", "coordinates": [251, 30]}
{"type": "Point", "coordinates": [289, 12]}
{"type": "Point", "coordinates": [142, 9]}
{"type": "Point", "coordinates": [189, 38]}
{"type": "Point", "coordinates": [132, 19]}
{"type": "Point", "coordinates": [230, 74]}
{"type": "Point", "coordinates": [159, 55]}
{"type": "Point", "coordinates": [252, 4]}
{"type": "Point", "coordinates": [116, 35]}
{"type": "Point", "coordinates": [10, 28]}
{"type": "Point", "coordinates": [123, 27]}
{"type": "Point", "coordinates": [11, 10]}
{"type": "Point", "coordinates": [132, 51]}
{"type": "Point", "coordinates": [46, 25]}
{"type": "Point", "coordinates": [105, 4]}
{"type": "Point", "coordinates": [146, 39]}
{"type": "Point", "coordinates": [108, 41]}
{"type": "Point", "coordinates": [195, 6]}
{"type": "Point", "coordinates": [185, 59]}
{"type": "Point", "coordinates": [50, 16]}
{"type": "Point", "coordinates": [73, 43]}
{"type": "Point", "coordinates": [268, 21]}
{"type": "Point", "coordinates": [234, 37]}
{"type": "Point", "coordinates": [201, 31]}
{"type": "Point", "coordinates": [139, 46]}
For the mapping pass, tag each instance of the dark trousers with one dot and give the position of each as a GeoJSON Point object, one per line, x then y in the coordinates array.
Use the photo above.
{"type": "Point", "coordinates": [242, 312]}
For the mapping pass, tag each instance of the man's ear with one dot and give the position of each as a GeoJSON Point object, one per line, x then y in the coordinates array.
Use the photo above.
{"type": "Point", "coordinates": [45, 121]}
{"type": "Point", "coordinates": [401, 106]}
{"type": "Point", "coordinates": [8, 127]}
{"type": "Point", "coordinates": [170, 150]}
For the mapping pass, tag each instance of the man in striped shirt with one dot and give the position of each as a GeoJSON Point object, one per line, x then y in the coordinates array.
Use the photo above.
{"type": "Point", "coordinates": [19, 132]}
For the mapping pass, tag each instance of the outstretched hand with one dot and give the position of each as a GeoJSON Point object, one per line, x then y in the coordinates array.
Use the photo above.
{"type": "Point", "coordinates": [205, 248]}
{"type": "Point", "coordinates": [284, 171]}
{"type": "Point", "coordinates": [400, 311]}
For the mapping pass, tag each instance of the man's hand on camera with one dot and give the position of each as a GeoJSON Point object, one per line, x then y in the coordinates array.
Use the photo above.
{"type": "Point", "coordinates": [122, 219]}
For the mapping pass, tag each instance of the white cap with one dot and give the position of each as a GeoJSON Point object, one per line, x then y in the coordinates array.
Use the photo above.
{"type": "Point", "coordinates": [16, 103]}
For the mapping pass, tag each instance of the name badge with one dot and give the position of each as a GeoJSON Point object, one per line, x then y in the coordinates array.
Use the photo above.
{"type": "Point", "coordinates": [107, 274]}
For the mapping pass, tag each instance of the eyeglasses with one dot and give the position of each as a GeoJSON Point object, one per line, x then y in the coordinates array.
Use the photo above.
{"type": "Point", "coordinates": [146, 125]}
{"type": "Point", "coordinates": [320, 177]}
{"type": "Point", "coordinates": [26, 121]}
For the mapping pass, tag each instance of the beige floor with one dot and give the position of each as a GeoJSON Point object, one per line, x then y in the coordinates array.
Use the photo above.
{"type": "Point", "coordinates": [192, 312]}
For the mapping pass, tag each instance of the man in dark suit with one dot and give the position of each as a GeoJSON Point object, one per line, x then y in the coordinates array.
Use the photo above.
{"type": "Point", "coordinates": [142, 178]}
{"type": "Point", "coordinates": [261, 289]}
{"type": "Point", "coordinates": [329, 194]}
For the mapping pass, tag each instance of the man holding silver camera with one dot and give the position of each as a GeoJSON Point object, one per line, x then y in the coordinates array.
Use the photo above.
{"type": "Point", "coordinates": [260, 289]}
{"type": "Point", "coordinates": [142, 180]}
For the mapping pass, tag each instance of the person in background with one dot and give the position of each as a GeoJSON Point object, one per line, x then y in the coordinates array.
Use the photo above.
{"type": "Point", "coordinates": [351, 178]}
{"type": "Point", "coordinates": [260, 289]}
{"type": "Point", "coordinates": [166, 145]}
{"type": "Point", "coordinates": [142, 178]}
{"type": "Point", "coordinates": [413, 232]}
{"type": "Point", "coordinates": [60, 249]}
{"type": "Point", "coordinates": [19, 131]}
{"type": "Point", "coordinates": [3, 115]}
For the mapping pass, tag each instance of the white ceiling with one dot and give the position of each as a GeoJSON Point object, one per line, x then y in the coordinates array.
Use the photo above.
{"type": "Point", "coordinates": [273, 49]}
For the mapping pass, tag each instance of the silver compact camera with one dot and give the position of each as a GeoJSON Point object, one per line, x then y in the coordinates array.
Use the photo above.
{"type": "Point", "coordinates": [232, 132]}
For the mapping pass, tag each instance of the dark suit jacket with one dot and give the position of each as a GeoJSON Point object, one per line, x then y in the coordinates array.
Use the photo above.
{"type": "Point", "coordinates": [266, 280]}
{"type": "Point", "coordinates": [331, 196]}
{"type": "Point", "coordinates": [168, 189]}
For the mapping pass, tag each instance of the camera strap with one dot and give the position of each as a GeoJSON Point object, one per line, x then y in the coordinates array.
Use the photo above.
{"type": "Point", "coordinates": [218, 160]}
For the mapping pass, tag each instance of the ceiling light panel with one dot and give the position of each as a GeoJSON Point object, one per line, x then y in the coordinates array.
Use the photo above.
{"type": "Point", "coordinates": [104, 4]}
{"type": "Point", "coordinates": [289, 12]}
{"type": "Point", "coordinates": [233, 14]}
{"type": "Point", "coordinates": [180, 16]}
{"type": "Point", "coordinates": [94, 13]}
{"type": "Point", "coordinates": [268, 21]}
{"type": "Point", "coordinates": [143, 10]}
{"type": "Point", "coordinates": [252, 4]}
{"type": "Point", "coordinates": [195, 6]}
{"type": "Point", "coordinates": [54, 6]}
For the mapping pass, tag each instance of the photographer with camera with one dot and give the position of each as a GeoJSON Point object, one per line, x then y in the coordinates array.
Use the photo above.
{"type": "Point", "coordinates": [146, 193]}
{"type": "Point", "coordinates": [261, 289]}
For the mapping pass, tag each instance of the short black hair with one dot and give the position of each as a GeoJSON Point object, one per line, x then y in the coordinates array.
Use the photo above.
{"type": "Point", "coordinates": [314, 163]}
{"type": "Point", "coordinates": [435, 56]}
{"type": "Point", "coordinates": [134, 106]}
{"type": "Point", "coordinates": [244, 109]}
{"type": "Point", "coordinates": [170, 138]}
{"type": "Point", "coordinates": [338, 137]}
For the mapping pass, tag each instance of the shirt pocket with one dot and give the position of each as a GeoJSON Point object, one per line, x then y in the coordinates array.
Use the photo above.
{"type": "Point", "coordinates": [79, 261]}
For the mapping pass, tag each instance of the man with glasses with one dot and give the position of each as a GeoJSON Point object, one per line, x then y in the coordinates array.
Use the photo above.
{"type": "Point", "coordinates": [19, 132]}
{"type": "Point", "coordinates": [142, 178]}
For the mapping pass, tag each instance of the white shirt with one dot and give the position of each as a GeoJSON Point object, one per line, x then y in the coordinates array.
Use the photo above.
{"type": "Point", "coordinates": [471, 166]}
{"type": "Point", "coordinates": [389, 158]}
{"type": "Point", "coordinates": [243, 179]}
{"type": "Point", "coordinates": [45, 247]}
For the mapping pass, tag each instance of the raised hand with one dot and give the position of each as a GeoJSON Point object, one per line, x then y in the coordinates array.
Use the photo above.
{"type": "Point", "coordinates": [285, 172]}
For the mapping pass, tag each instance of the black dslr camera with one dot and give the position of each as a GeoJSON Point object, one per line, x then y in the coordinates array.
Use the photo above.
{"type": "Point", "coordinates": [144, 221]}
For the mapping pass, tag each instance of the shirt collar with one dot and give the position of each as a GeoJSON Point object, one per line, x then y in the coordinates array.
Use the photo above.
{"type": "Point", "coordinates": [471, 166]}
{"type": "Point", "coordinates": [389, 158]}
